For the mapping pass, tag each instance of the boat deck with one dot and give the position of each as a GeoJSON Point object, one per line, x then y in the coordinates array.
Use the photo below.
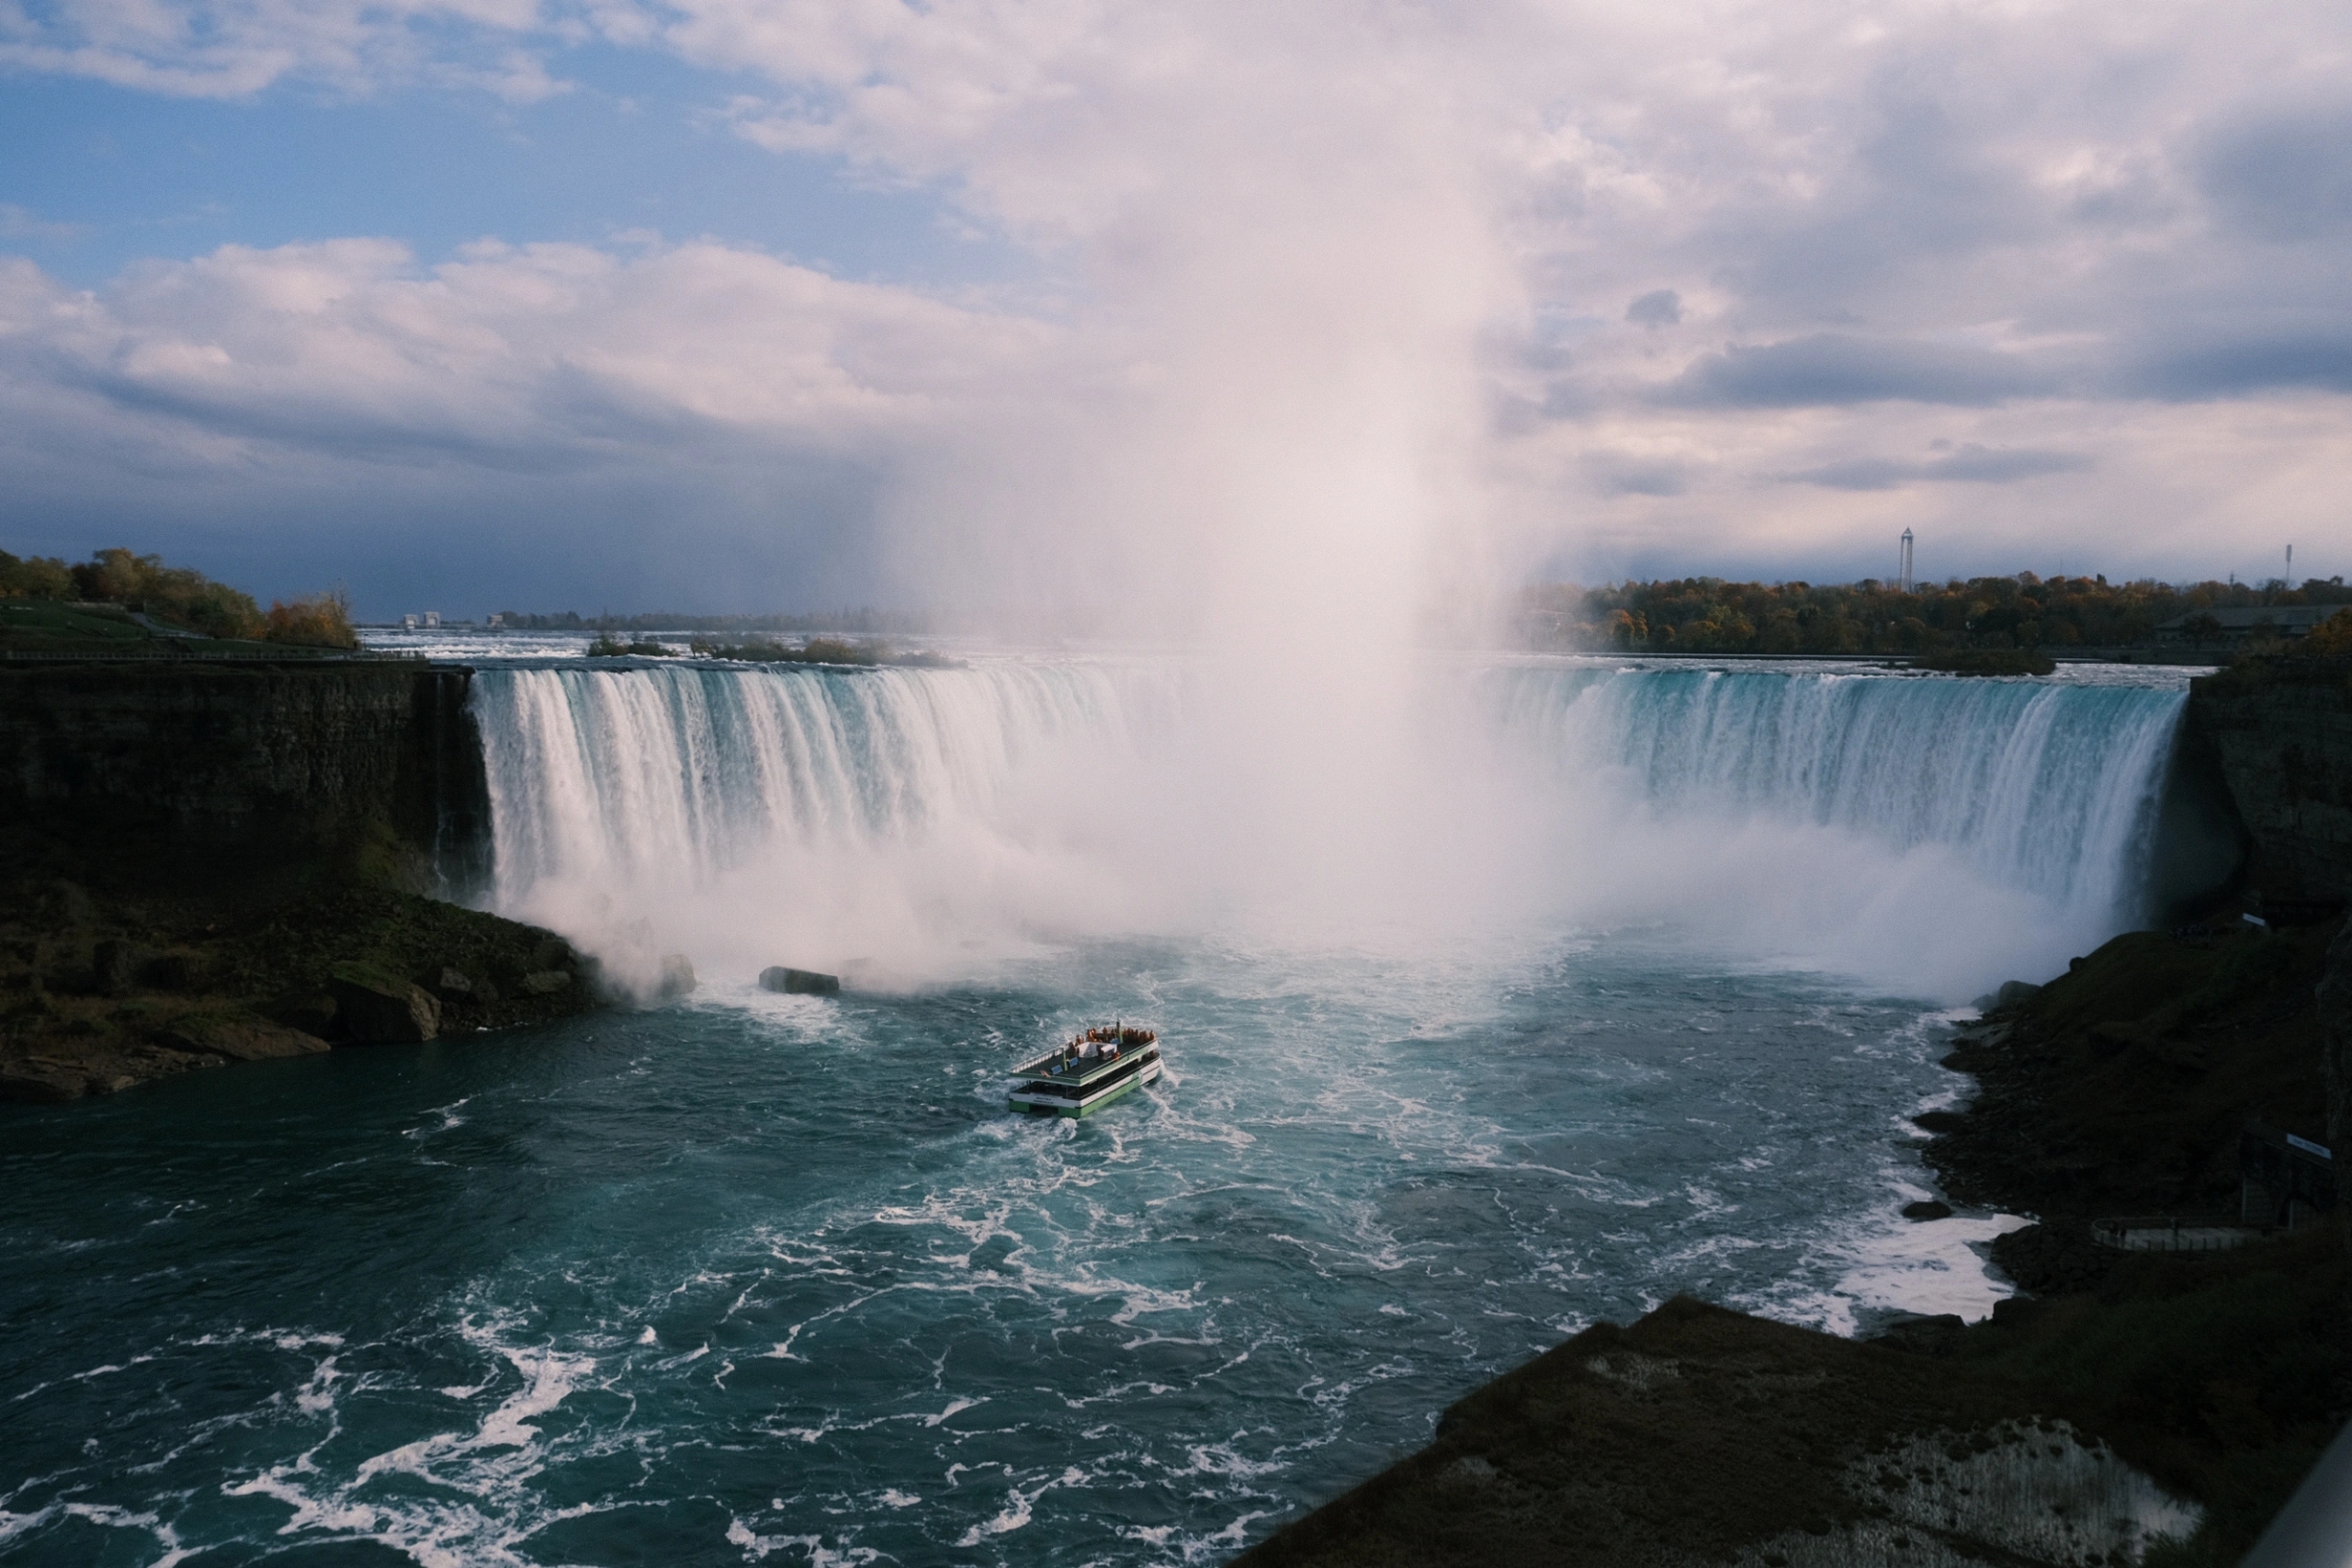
{"type": "Point", "coordinates": [1057, 1084]}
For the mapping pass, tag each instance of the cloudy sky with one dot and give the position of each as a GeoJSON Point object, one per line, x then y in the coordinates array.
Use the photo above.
{"type": "Point", "coordinates": [777, 304]}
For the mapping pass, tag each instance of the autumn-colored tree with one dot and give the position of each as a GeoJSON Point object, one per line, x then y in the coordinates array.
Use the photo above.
{"type": "Point", "coordinates": [2333, 636]}
{"type": "Point", "coordinates": [314, 621]}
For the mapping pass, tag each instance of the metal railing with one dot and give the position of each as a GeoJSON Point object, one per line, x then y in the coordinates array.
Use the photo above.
{"type": "Point", "coordinates": [178, 655]}
{"type": "Point", "coordinates": [2173, 1233]}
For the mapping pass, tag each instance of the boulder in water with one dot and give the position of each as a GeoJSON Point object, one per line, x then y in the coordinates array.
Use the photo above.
{"type": "Point", "coordinates": [378, 1009]}
{"type": "Point", "coordinates": [676, 978]}
{"type": "Point", "coordinates": [799, 982]}
{"type": "Point", "coordinates": [242, 1037]}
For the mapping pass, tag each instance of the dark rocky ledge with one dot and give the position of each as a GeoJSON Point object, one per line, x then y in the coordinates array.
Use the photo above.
{"type": "Point", "coordinates": [211, 863]}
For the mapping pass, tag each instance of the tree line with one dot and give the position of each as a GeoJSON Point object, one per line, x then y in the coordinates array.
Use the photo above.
{"type": "Point", "coordinates": [1708, 615]}
{"type": "Point", "coordinates": [866, 622]}
{"type": "Point", "coordinates": [180, 596]}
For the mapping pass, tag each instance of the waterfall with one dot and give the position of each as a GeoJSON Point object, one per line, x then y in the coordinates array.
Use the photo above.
{"type": "Point", "coordinates": [914, 816]}
{"type": "Point", "coordinates": [2051, 787]}
{"type": "Point", "coordinates": [625, 773]}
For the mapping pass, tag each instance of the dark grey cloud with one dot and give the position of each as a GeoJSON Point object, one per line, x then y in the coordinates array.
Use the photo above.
{"type": "Point", "coordinates": [1642, 478]}
{"type": "Point", "coordinates": [2283, 177]}
{"type": "Point", "coordinates": [1660, 307]}
{"type": "Point", "coordinates": [1971, 464]}
{"type": "Point", "coordinates": [1836, 368]}
{"type": "Point", "coordinates": [2192, 373]}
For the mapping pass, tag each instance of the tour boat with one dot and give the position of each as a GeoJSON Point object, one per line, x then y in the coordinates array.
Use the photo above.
{"type": "Point", "coordinates": [1088, 1072]}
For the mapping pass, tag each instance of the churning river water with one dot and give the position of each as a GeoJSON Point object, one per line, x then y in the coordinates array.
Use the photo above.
{"type": "Point", "coordinates": [749, 1277]}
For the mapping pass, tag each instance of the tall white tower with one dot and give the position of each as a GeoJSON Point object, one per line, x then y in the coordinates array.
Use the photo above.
{"type": "Point", "coordinates": [1903, 570]}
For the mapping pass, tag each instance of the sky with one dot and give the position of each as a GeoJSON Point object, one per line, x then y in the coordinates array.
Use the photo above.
{"type": "Point", "coordinates": [1101, 314]}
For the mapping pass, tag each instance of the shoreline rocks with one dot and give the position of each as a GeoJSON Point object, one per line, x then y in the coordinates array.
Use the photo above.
{"type": "Point", "coordinates": [256, 971]}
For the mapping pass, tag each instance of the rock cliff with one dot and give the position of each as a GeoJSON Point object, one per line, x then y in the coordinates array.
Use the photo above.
{"type": "Point", "coordinates": [214, 861]}
{"type": "Point", "coordinates": [2281, 729]}
{"type": "Point", "coordinates": [155, 762]}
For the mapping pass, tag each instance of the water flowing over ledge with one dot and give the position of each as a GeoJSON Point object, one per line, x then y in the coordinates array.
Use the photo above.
{"type": "Point", "coordinates": [891, 796]}
{"type": "Point", "coordinates": [603, 773]}
{"type": "Point", "coordinates": [2047, 787]}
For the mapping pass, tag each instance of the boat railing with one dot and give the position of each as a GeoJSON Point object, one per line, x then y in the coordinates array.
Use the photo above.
{"type": "Point", "coordinates": [1056, 1066]}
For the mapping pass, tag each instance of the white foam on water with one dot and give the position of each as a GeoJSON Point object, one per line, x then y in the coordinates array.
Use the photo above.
{"type": "Point", "coordinates": [464, 1498]}
{"type": "Point", "coordinates": [117, 1518]}
{"type": "Point", "coordinates": [1019, 1508]}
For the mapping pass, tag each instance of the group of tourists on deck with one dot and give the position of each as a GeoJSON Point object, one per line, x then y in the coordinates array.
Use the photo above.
{"type": "Point", "coordinates": [1103, 1042]}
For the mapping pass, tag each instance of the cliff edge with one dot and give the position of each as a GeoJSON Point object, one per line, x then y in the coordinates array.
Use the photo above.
{"type": "Point", "coordinates": [206, 862]}
{"type": "Point", "coordinates": [2280, 728]}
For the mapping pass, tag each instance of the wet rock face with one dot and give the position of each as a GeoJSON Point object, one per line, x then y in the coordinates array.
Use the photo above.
{"type": "Point", "coordinates": [142, 765]}
{"type": "Point", "coordinates": [793, 982]}
{"type": "Point", "coordinates": [242, 1037]}
{"type": "Point", "coordinates": [378, 1009]}
{"type": "Point", "coordinates": [2282, 729]}
{"type": "Point", "coordinates": [2335, 995]}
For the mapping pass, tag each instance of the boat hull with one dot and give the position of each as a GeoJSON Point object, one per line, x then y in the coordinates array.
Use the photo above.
{"type": "Point", "coordinates": [1053, 1105]}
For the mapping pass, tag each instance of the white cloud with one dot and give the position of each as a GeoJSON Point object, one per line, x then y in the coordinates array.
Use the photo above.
{"type": "Point", "coordinates": [22, 223]}
{"type": "Point", "coordinates": [235, 48]}
{"type": "Point", "coordinates": [526, 350]}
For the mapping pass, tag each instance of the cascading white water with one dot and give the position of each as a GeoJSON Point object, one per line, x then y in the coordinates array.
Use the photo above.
{"type": "Point", "coordinates": [1929, 834]}
{"type": "Point", "coordinates": [617, 774]}
{"type": "Point", "coordinates": [768, 815]}
{"type": "Point", "coordinates": [2047, 787]}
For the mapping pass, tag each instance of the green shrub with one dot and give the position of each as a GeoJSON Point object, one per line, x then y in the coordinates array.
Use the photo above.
{"type": "Point", "coordinates": [41, 577]}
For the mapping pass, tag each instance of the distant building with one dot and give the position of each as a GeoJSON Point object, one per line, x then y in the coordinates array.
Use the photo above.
{"type": "Point", "coordinates": [2238, 626]}
{"type": "Point", "coordinates": [433, 618]}
{"type": "Point", "coordinates": [498, 621]}
{"type": "Point", "coordinates": [408, 623]}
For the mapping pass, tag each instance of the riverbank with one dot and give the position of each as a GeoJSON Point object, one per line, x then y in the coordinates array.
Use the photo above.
{"type": "Point", "coordinates": [104, 991]}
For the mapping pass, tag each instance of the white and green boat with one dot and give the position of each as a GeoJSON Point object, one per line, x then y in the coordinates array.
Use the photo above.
{"type": "Point", "coordinates": [1082, 1076]}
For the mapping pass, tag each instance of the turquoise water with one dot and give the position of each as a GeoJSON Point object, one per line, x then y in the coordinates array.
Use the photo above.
{"type": "Point", "coordinates": [1608, 984]}
{"type": "Point", "coordinates": [766, 1278]}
